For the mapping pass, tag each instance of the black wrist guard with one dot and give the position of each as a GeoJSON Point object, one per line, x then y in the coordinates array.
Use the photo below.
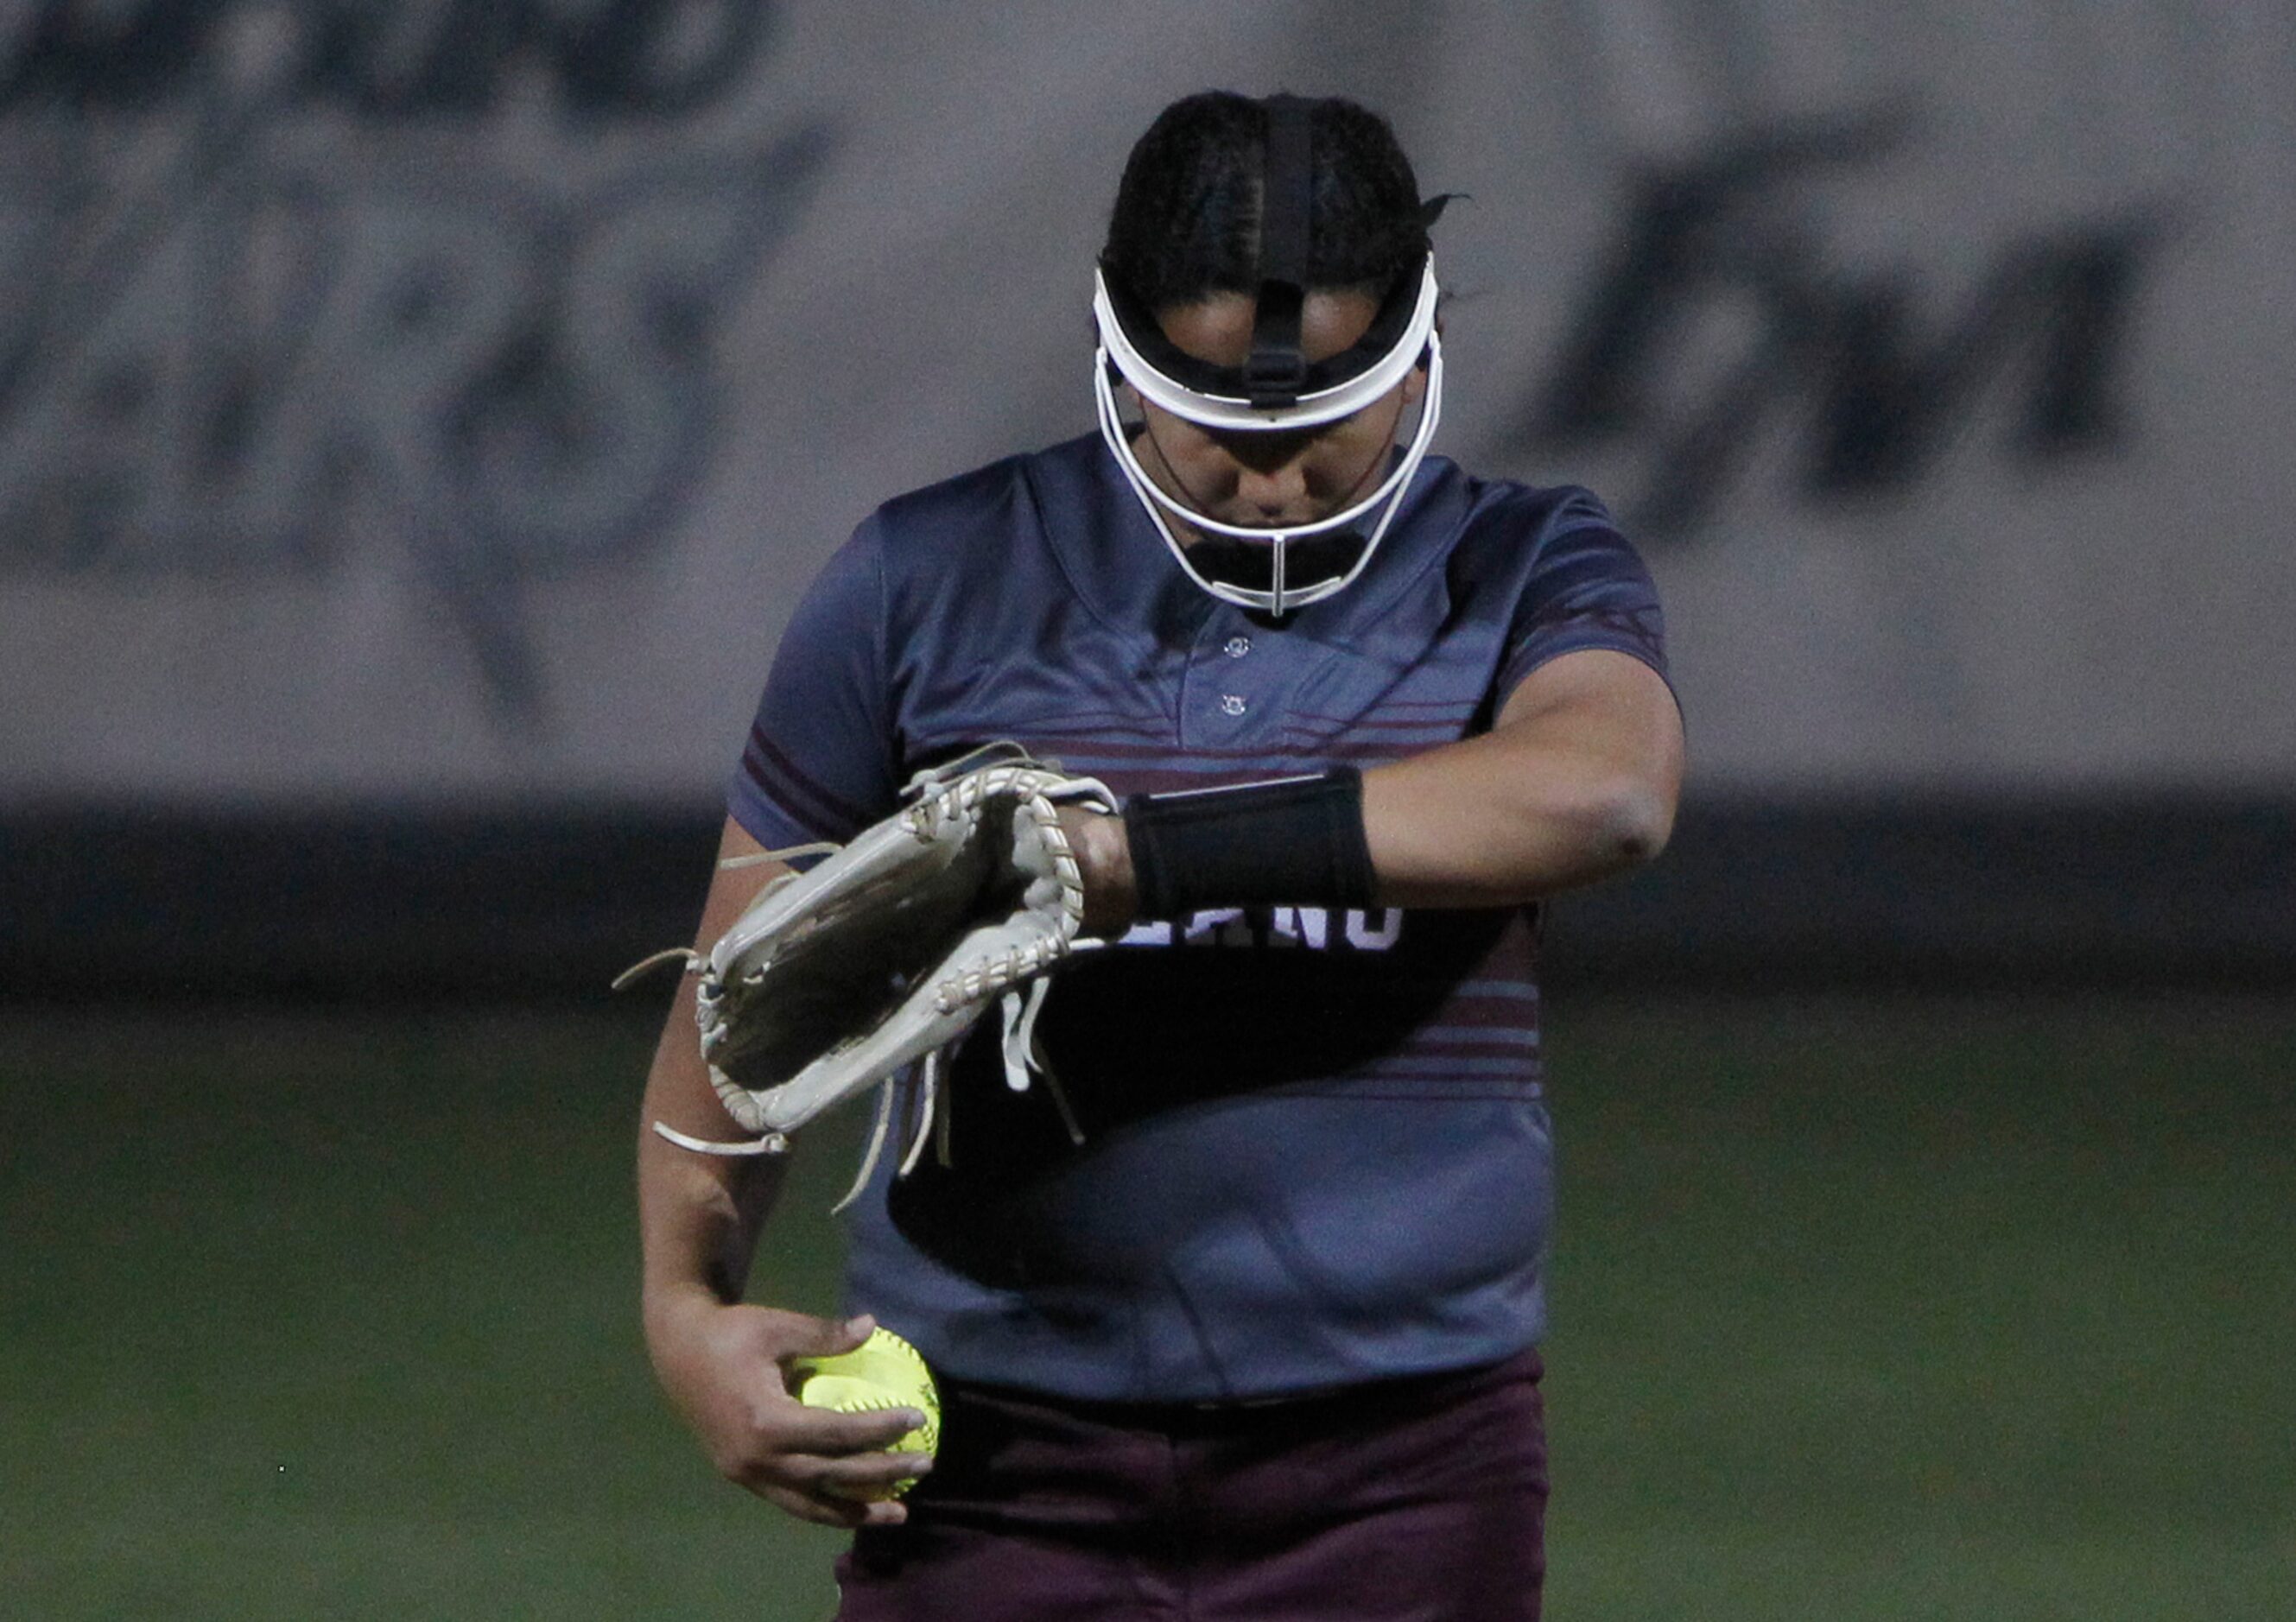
{"type": "Point", "coordinates": [1297, 841]}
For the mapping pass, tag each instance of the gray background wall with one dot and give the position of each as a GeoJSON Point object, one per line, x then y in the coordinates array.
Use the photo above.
{"type": "Point", "coordinates": [417, 422]}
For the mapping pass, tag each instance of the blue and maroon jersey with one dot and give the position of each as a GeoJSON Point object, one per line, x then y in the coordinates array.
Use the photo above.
{"type": "Point", "coordinates": [1316, 1150]}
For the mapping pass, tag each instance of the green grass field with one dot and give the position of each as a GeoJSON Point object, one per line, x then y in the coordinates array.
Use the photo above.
{"type": "Point", "coordinates": [1899, 1309]}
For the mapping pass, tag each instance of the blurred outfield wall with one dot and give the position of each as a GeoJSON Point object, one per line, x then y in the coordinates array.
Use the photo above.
{"type": "Point", "coordinates": [417, 420]}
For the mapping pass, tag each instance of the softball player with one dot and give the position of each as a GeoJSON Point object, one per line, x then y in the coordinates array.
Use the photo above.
{"type": "Point", "coordinates": [1251, 1330]}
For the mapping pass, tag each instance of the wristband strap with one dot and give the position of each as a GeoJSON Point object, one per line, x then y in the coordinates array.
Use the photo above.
{"type": "Point", "coordinates": [1295, 840]}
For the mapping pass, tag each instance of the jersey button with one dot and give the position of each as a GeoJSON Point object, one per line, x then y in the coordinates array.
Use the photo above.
{"type": "Point", "coordinates": [1238, 646]}
{"type": "Point", "coordinates": [1232, 704]}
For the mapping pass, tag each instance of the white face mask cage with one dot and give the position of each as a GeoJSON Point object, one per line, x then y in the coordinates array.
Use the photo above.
{"type": "Point", "coordinates": [1238, 414]}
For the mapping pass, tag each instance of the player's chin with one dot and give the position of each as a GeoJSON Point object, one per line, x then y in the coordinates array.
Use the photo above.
{"type": "Point", "coordinates": [1258, 519]}
{"type": "Point", "coordinates": [1253, 523]}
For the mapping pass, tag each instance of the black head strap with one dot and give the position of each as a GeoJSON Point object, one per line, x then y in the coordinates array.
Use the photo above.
{"type": "Point", "coordinates": [1277, 370]}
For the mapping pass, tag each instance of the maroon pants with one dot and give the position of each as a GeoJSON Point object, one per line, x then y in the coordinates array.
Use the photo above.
{"type": "Point", "coordinates": [1421, 1498]}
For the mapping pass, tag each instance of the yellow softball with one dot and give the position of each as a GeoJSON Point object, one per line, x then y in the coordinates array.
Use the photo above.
{"type": "Point", "coordinates": [883, 1371]}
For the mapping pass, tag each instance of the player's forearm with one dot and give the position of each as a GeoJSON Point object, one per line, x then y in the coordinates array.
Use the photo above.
{"type": "Point", "coordinates": [1477, 823]}
{"type": "Point", "coordinates": [1577, 781]}
{"type": "Point", "coordinates": [699, 1216]}
{"type": "Point", "coordinates": [698, 1223]}
{"type": "Point", "coordinates": [700, 1232]}
{"type": "Point", "coordinates": [1487, 823]}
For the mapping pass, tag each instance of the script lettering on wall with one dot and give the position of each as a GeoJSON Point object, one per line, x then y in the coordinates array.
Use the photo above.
{"type": "Point", "coordinates": [1870, 379]}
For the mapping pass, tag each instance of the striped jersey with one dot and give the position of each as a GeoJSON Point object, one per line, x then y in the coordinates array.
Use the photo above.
{"type": "Point", "coordinates": [1316, 1148]}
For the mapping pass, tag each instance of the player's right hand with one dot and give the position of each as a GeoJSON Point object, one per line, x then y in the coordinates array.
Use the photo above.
{"type": "Point", "coordinates": [727, 1370]}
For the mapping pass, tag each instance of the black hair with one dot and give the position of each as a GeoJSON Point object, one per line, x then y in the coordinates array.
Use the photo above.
{"type": "Point", "coordinates": [1187, 220]}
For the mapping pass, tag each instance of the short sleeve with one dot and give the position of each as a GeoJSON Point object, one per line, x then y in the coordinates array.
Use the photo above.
{"type": "Point", "coordinates": [1589, 589]}
{"type": "Point", "coordinates": [818, 763]}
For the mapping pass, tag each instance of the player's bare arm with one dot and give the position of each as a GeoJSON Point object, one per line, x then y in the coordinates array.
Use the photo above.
{"type": "Point", "coordinates": [722, 1363]}
{"type": "Point", "coordinates": [1577, 780]}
